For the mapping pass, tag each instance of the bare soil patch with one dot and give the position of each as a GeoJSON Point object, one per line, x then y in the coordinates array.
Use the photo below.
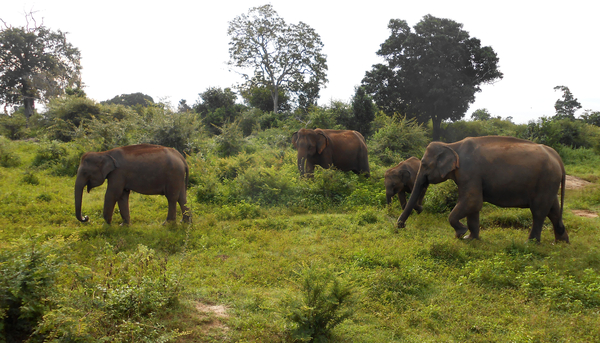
{"type": "Point", "coordinates": [585, 213]}
{"type": "Point", "coordinates": [574, 182]}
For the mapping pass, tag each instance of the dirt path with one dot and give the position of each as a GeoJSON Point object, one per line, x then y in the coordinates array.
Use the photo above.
{"type": "Point", "coordinates": [574, 182]}
{"type": "Point", "coordinates": [577, 183]}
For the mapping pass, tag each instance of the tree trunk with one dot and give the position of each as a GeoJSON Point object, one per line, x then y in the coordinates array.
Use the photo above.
{"type": "Point", "coordinates": [275, 96]}
{"type": "Point", "coordinates": [29, 104]}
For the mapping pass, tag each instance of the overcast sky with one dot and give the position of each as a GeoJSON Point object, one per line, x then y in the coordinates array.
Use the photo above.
{"type": "Point", "coordinates": [173, 50]}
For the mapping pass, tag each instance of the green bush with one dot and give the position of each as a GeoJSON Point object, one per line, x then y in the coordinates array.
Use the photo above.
{"type": "Point", "coordinates": [28, 273]}
{"type": "Point", "coordinates": [441, 198]}
{"type": "Point", "coordinates": [396, 139]}
{"type": "Point", "coordinates": [455, 131]}
{"type": "Point", "coordinates": [556, 132]}
{"type": "Point", "coordinates": [62, 159]}
{"type": "Point", "coordinates": [324, 302]}
{"type": "Point", "coordinates": [14, 127]}
{"type": "Point", "coordinates": [8, 158]}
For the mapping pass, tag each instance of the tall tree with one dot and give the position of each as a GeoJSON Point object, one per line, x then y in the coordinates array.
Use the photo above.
{"type": "Point", "coordinates": [363, 110]}
{"type": "Point", "coordinates": [281, 56]}
{"type": "Point", "coordinates": [432, 72]}
{"type": "Point", "coordinates": [566, 107]}
{"type": "Point", "coordinates": [35, 64]}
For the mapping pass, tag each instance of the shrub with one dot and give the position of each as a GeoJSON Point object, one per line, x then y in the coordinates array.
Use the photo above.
{"type": "Point", "coordinates": [396, 139]}
{"type": "Point", "coordinates": [28, 272]}
{"type": "Point", "coordinates": [324, 302]}
{"type": "Point", "coordinates": [8, 158]}
{"type": "Point", "coordinates": [441, 198]}
{"type": "Point", "coordinates": [556, 132]}
{"type": "Point", "coordinates": [14, 127]}
{"type": "Point", "coordinates": [455, 131]}
{"type": "Point", "coordinates": [230, 141]}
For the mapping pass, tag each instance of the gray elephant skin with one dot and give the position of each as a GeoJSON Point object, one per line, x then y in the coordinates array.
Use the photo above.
{"type": "Point", "coordinates": [344, 149]}
{"type": "Point", "coordinates": [144, 168]}
{"type": "Point", "coordinates": [504, 171]}
{"type": "Point", "coordinates": [401, 179]}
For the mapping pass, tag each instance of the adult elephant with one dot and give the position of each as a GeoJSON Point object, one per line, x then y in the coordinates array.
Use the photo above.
{"type": "Point", "coordinates": [401, 179]}
{"type": "Point", "coordinates": [504, 171]}
{"type": "Point", "coordinates": [144, 168]}
{"type": "Point", "coordinates": [344, 149]}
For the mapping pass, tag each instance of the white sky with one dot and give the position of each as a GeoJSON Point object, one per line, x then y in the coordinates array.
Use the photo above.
{"type": "Point", "coordinates": [173, 50]}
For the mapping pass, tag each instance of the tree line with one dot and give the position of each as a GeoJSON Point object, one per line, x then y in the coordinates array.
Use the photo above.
{"type": "Point", "coordinates": [430, 75]}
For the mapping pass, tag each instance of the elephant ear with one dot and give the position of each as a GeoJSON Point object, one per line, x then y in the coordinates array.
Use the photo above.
{"type": "Point", "coordinates": [405, 177]}
{"type": "Point", "coordinates": [322, 140]}
{"type": "Point", "coordinates": [295, 140]}
{"type": "Point", "coordinates": [447, 161]}
{"type": "Point", "coordinates": [108, 164]}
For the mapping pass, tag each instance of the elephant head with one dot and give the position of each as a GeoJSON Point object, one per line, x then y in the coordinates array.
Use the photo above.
{"type": "Point", "coordinates": [310, 144]}
{"type": "Point", "coordinates": [395, 180]}
{"type": "Point", "coordinates": [93, 170]}
{"type": "Point", "coordinates": [437, 165]}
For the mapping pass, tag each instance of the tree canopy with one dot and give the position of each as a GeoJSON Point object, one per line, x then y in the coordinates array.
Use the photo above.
{"type": "Point", "coordinates": [566, 107]}
{"type": "Point", "coordinates": [131, 99]}
{"type": "Point", "coordinates": [35, 64]}
{"type": "Point", "coordinates": [280, 56]}
{"type": "Point", "coordinates": [432, 72]}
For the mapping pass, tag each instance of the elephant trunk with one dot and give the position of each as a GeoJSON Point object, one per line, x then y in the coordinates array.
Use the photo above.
{"type": "Point", "coordinates": [301, 165]}
{"type": "Point", "coordinates": [420, 187]}
{"type": "Point", "coordinates": [79, 185]}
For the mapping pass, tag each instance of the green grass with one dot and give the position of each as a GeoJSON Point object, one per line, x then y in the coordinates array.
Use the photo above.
{"type": "Point", "coordinates": [249, 256]}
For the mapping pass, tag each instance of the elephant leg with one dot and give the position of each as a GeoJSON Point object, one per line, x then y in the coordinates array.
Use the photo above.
{"type": "Point", "coordinates": [466, 208]}
{"type": "Point", "coordinates": [473, 226]}
{"type": "Point", "coordinates": [560, 233]}
{"type": "Point", "coordinates": [185, 211]}
{"type": "Point", "coordinates": [110, 200]}
{"type": "Point", "coordinates": [419, 206]}
{"type": "Point", "coordinates": [124, 207]}
{"type": "Point", "coordinates": [402, 199]}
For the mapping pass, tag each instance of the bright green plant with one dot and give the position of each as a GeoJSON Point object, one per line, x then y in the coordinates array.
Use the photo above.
{"type": "Point", "coordinates": [324, 302]}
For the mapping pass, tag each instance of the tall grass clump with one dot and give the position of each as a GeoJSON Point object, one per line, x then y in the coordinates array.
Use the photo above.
{"type": "Point", "coordinates": [324, 302]}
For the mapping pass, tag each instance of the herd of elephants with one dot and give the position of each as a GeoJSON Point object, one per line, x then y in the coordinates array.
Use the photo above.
{"type": "Point", "coordinates": [504, 171]}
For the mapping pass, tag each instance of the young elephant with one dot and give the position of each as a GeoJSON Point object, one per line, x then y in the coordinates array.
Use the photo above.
{"type": "Point", "coordinates": [401, 179]}
{"type": "Point", "coordinates": [145, 168]}
{"type": "Point", "coordinates": [504, 171]}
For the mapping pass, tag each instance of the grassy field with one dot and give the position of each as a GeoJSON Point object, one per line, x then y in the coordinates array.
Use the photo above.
{"type": "Point", "coordinates": [270, 258]}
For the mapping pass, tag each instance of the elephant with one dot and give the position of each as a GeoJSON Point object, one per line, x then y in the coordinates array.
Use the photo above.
{"type": "Point", "coordinates": [144, 168]}
{"type": "Point", "coordinates": [344, 149]}
{"type": "Point", "coordinates": [401, 179]}
{"type": "Point", "coordinates": [504, 171]}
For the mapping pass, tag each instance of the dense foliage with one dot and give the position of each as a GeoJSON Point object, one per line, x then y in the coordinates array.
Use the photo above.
{"type": "Point", "coordinates": [431, 73]}
{"type": "Point", "coordinates": [280, 55]}
{"type": "Point", "coordinates": [36, 64]}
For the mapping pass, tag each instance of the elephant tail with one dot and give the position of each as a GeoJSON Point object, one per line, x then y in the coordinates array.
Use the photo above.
{"type": "Point", "coordinates": [562, 191]}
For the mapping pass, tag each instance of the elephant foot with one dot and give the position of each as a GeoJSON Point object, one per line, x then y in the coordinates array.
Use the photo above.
{"type": "Point", "coordinates": [470, 237]}
{"type": "Point", "coordinates": [562, 238]}
{"type": "Point", "coordinates": [124, 224]}
{"type": "Point", "coordinates": [400, 225]}
{"type": "Point", "coordinates": [460, 233]}
{"type": "Point", "coordinates": [419, 209]}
